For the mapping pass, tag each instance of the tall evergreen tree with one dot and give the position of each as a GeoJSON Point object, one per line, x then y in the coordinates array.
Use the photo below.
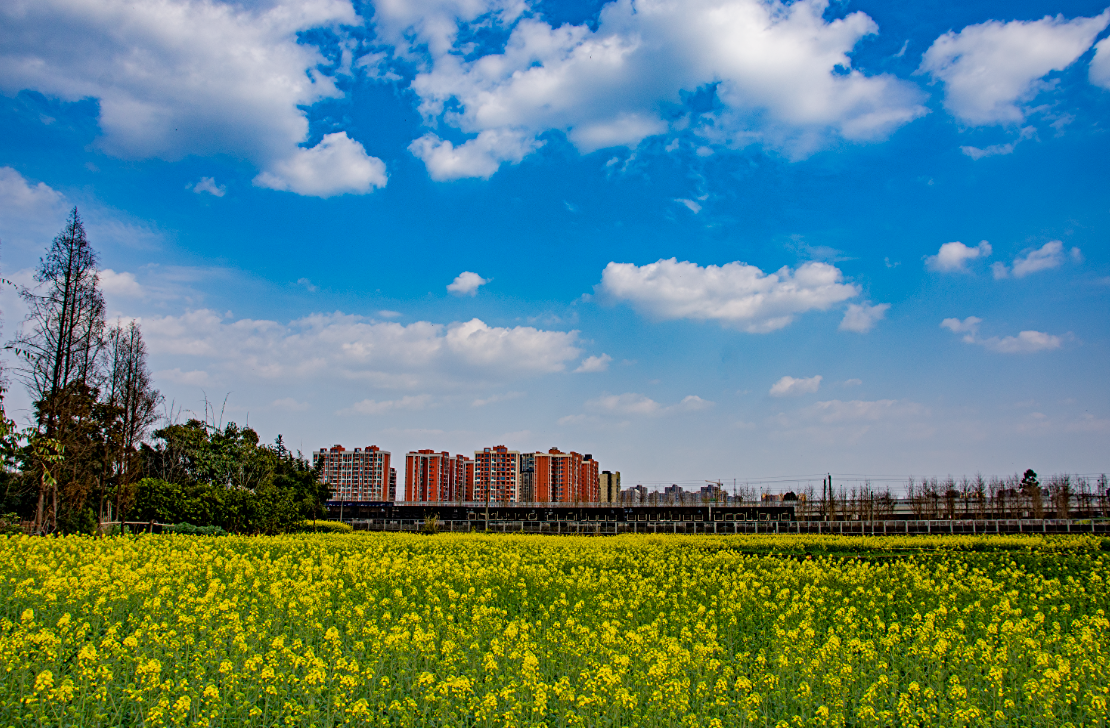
{"type": "Point", "coordinates": [62, 340]}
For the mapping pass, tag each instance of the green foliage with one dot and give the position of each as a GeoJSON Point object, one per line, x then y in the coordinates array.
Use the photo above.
{"type": "Point", "coordinates": [189, 529]}
{"type": "Point", "coordinates": [203, 475]}
{"type": "Point", "coordinates": [1029, 483]}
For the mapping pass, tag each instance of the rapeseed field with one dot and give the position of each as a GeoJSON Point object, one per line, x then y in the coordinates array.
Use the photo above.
{"type": "Point", "coordinates": [470, 630]}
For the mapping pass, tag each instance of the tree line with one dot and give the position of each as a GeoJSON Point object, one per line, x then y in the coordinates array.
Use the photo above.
{"type": "Point", "coordinates": [91, 455]}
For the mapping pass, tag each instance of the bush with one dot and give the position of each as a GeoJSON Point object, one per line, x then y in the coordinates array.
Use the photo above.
{"type": "Point", "coordinates": [189, 529]}
{"type": "Point", "coordinates": [325, 527]}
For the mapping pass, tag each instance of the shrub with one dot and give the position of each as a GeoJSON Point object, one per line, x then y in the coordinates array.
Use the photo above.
{"type": "Point", "coordinates": [189, 529]}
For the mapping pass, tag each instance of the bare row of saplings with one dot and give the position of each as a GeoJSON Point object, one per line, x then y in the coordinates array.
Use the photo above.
{"type": "Point", "coordinates": [974, 498]}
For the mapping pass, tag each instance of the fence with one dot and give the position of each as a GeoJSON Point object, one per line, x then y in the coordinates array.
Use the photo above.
{"type": "Point", "coordinates": [847, 528]}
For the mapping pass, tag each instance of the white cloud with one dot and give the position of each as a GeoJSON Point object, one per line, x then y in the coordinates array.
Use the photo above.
{"type": "Point", "coordinates": [478, 157]}
{"type": "Point", "coordinates": [953, 257]}
{"type": "Point", "coordinates": [290, 404]}
{"type": "Point", "coordinates": [692, 206]}
{"type": "Point", "coordinates": [119, 284]}
{"type": "Point", "coordinates": [192, 77]}
{"type": "Point", "coordinates": [990, 68]}
{"type": "Point", "coordinates": [389, 314]}
{"type": "Point", "coordinates": [791, 387]}
{"type": "Point", "coordinates": [17, 195]}
{"type": "Point", "coordinates": [196, 377]}
{"type": "Point", "coordinates": [408, 403]}
{"type": "Point", "coordinates": [1099, 72]}
{"type": "Point", "coordinates": [208, 184]}
{"type": "Point", "coordinates": [691, 403]}
{"type": "Point", "coordinates": [969, 327]}
{"type": "Point", "coordinates": [996, 150]}
{"type": "Point", "coordinates": [1076, 255]}
{"type": "Point", "coordinates": [632, 403]}
{"type": "Point", "coordinates": [783, 77]}
{"type": "Point", "coordinates": [1026, 342]}
{"type": "Point", "coordinates": [29, 211]}
{"type": "Point", "coordinates": [466, 284]}
{"type": "Point", "coordinates": [337, 165]}
{"type": "Point", "coordinates": [862, 317]}
{"type": "Point", "coordinates": [1050, 255]}
{"type": "Point", "coordinates": [736, 294]}
{"type": "Point", "coordinates": [388, 354]}
{"type": "Point", "coordinates": [594, 364]}
{"type": "Point", "coordinates": [1000, 270]}
{"type": "Point", "coordinates": [853, 382]}
{"type": "Point", "coordinates": [308, 285]}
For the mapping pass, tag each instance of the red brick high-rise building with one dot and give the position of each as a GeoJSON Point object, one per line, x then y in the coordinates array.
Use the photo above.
{"type": "Point", "coordinates": [496, 475]}
{"type": "Point", "coordinates": [362, 474]}
{"type": "Point", "coordinates": [566, 477]}
{"type": "Point", "coordinates": [438, 477]}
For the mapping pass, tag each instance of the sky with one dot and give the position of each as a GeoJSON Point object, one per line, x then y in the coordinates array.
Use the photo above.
{"type": "Point", "coordinates": [699, 240]}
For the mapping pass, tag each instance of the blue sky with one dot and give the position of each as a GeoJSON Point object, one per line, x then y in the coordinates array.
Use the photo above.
{"type": "Point", "coordinates": [711, 239]}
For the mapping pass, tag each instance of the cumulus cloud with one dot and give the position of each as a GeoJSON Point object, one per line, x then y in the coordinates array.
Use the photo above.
{"type": "Point", "coordinates": [790, 387]}
{"type": "Point", "coordinates": [736, 294]}
{"type": "Point", "coordinates": [1048, 256]}
{"type": "Point", "coordinates": [1026, 342]}
{"type": "Point", "coordinates": [29, 211]}
{"type": "Point", "coordinates": [342, 346]}
{"type": "Point", "coordinates": [478, 157]}
{"type": "Point", "coordinates": [208, 184]}
{"type": "Point", "coordinates": [781, 74]}
{"type": "Point", "coordinates": [119, 284]}
{"type": "Point", "coordinates": [466, 284]}
{"type": "Point", "coordinates": [192, 77]}
{"type": "Point", "coordinates": [594, 364]}
{"type": "Point", "coordinates": [862, 317]}
{"type": "Point", "coordinates": [338, 165]}
{"type": "Point", "coordinates": [953, 257]}
{"type": "Point", "coordinates": [1099, 72]}
{"type": "Point", "coordinates": [19, 195]}
{"type": "Point", "coordinates": [991, 68]}
{"type": "Point", "coordinates": [969, 327]}
{"type": "Point", "coordinates": [632, 403]}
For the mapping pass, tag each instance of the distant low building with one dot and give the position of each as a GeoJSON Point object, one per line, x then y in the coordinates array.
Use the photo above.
{"type": "Point", "coordinates": [362, 474]}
